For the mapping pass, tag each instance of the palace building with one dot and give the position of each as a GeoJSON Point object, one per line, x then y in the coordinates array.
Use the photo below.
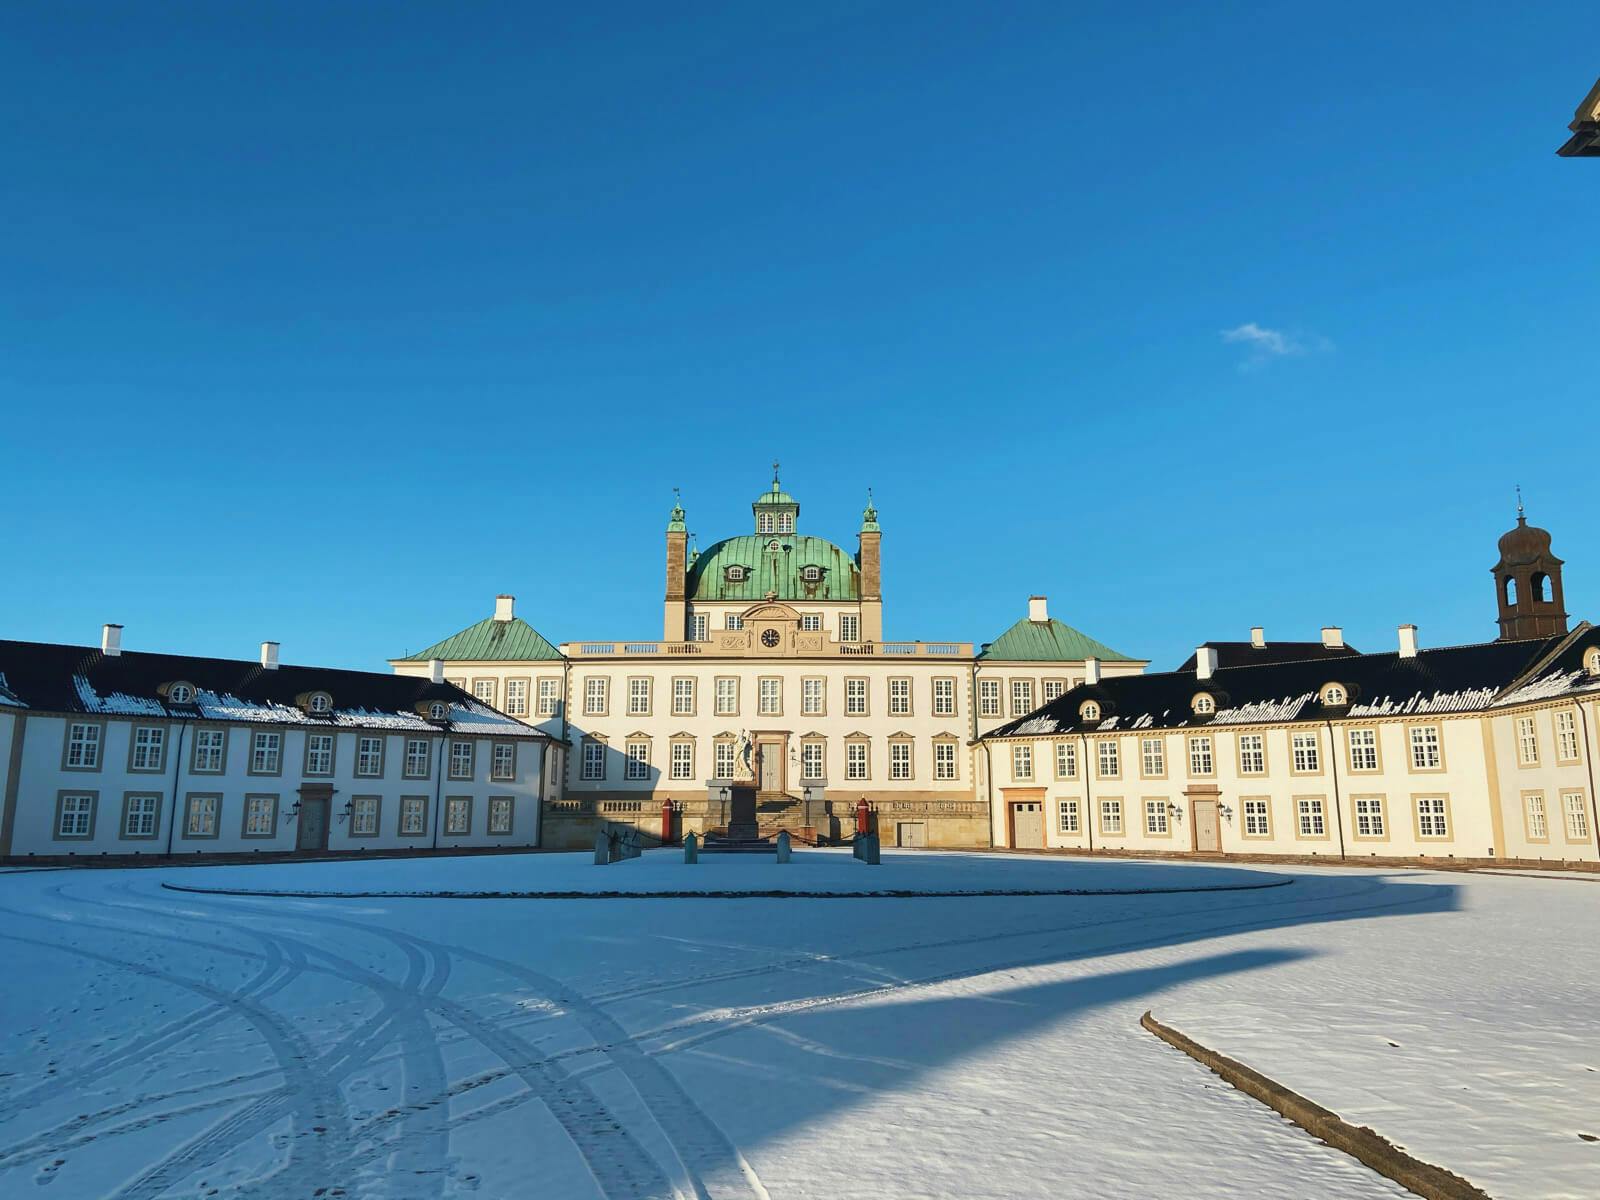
{"type": "Point", "coordinates": [1481, 752]}
{"type": "Point", "coordinates": [772, 665]}
{"type": "Point", "coordinates": [111, 752]}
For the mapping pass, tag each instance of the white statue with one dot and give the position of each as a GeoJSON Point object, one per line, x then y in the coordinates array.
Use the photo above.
{"type": "Point", "coordinates": [743, 766]}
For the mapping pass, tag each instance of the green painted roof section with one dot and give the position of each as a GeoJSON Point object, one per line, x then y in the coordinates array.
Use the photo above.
{"type": "Point", "coordinates": [775, 495]}
{"type": "Point", "coordinates": [1049, 641]}
{"type": "Point", "coordinates": [491, 641]}
{"type": "Point", "coordinates": [774, 570]}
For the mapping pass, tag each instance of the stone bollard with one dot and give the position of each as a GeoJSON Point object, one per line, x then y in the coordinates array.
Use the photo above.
{"type": "Point", "coordinates": [871, 854]}
{"type": "Point", "coordinates": [783, 845]}
{"type": "Point", "coordinates": [691, 849]}
{"type": "Point", "coordinates": [602, 849]}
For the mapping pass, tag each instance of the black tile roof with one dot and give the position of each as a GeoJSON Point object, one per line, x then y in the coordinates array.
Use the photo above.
{"type": "Point", "coordinates": [82, 679]}
{"type": "Point", "coordinates": [1248, 654]}
{"type": "Point", "coordinates": [1447, 679]}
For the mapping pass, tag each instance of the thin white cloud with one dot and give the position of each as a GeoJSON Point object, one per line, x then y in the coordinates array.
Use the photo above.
{"type": "Point", "coordinates": [1265, 344]}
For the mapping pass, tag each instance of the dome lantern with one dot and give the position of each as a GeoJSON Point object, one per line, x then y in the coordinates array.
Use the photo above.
{"type": "Point", "coordinates": [775, 510]}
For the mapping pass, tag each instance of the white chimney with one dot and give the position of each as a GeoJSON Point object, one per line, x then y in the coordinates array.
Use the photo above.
{"type": "Point", "coordinates": [1205, 662]}
{"type": "Point", "coordinates": [1038, 611]}
{"type": "Point", "coordinates": [1332, 637]}
{"type": "Point", "coordinates": [111, 640]}
{"type": "Point", "coordinates": [1408, 641]}
{"type": "Point", "coordinates": [436, 670]}
{"type": "Point", "coordinates": [1258, 637]}
{"type": "Point", "coordinates": [503, 607]}
{"type": "Point", "coordinates": [1091, 670]}
{"type": "Point", "coordinates": [269, 655]}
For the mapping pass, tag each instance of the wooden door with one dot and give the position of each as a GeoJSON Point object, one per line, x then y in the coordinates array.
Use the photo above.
{"type": "Point", "coordinates": [313, 834]}
{"type": "Point", "coordinates": [1027, 825]}
{"type": "Point", "coordinates": [911, 833]}
{"type": "Point", "coordinates": [770, 771]}
{"type": "Point", "coordinates": [1207, 832]}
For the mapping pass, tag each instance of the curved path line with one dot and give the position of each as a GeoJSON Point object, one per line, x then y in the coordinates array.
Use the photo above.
{"type": "Point", "coordinates": [768, 894]}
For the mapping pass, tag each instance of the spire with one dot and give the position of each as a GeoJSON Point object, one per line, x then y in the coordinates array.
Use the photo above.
{"type": "Point", "coordinates": [1521, 518]}
{"type": "Point", "coordinates": [869, 516]}
{"type": "Point", "coordinates": [675, 521]}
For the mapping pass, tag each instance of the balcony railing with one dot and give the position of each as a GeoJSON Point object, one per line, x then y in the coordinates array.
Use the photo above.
{"type": "Point", "coordinates": [828, 649]}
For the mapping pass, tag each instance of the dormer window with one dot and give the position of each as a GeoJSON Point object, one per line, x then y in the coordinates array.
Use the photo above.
{"type": "Point", "coordinates": [320, 704]}
{"type": "Point", "coordinates": [1591, 660]}
{"type": "Point", "coordinates": [180, 693]}
{"type": "Point", "coordinates": [436, 711]}
{"type": "Point", "coordinates": [1334, 695]}
{"type": "Point", "coordinates": [811, 574]}
{"type": "Point", "coordinates": [1204, 704]}
{"type": "Point", "coordinates": [734, 574]}
{"type": "Point", "coordinates": [1089, 710]}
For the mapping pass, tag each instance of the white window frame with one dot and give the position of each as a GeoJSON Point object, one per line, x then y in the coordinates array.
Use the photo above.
{"type": "Point", "coordinates": [364, 815]}
{"type": "Point", "coordinates": [1202, 756]}
{"type": "Point", "coordinates": [813, 696]}
{"type": "Point", "coordinates": [1363, 744]}
{"type": "Point", "coordinates": [1371, 821]}
{"type": "Point", "coordinates": [149, 815]}
{"type": "Point", "coordinates": [1066, 760]}
{"type": "Point", "coordinates": [857, 759]}
{"type": "Point", "coordinates": [683, 696]}
{"type": "Point", "coordinates": [503, 762]}
{"type": "Point", "coordinates": [1252, 754]}
{"type": "Point", "coordinates": [412, 819]}
{"type": "Point", "coordinates": [596, 695]}
{"type": "Point", "coordinates": [202, 815]}
{"type": "Point", "coordinates": [266, 752]}
{"type": "Point", "coordinates": [369, 756]}
{"type": "Point", "coordinates": [549, 703]}
{"type": "Point", "coordinates": [988, 697]}
{"type": "Point", "coordinates": [458, 816]}
{"type": "Point", "coordinates": [516, 697]}
{"type": "Point", "coordinates": [85, 745]}
{"type": "Point", "coordinates": [636, 759]}
{"type": "Point", "coordinates": [1067, 817]}
{"type": "Point", "coordinates": [1257, 817]}
{"type": "Point", "coordinates": [1108, 757]}
{"type": "Point", "coordinates": [639, 695]}
{"type": "Point", "coordinates": [769, 696]}
{"type": "Point", "coordinates": [210, 748]}
{"type": "Point", "coordinates": [855, 697]}
{"type": "Point", "coordinates": [945, 764]}
{"type": "Point", "coordinates": [900, 759]}
{"type": "Point", "coordinates": [1022, 762]}
{"type": "Point", "coordinates": [260, 815]}
{"type": "Point", "coordinates": [1433, 817]}
{"type": "Point", "coordinates": [1575, 815]}
{"type": "Point", "coordinates": [1306, 748]}
{"type": "Point", "coordinates": [727, 702]}
{"type": "Point", "coordinates": [1021, 697]}
{"type": "Point", "coordinates": [319, 753]}
{"type": "Point", "coordinates": [1311, 816]}
{"type": "Point", "coordinates": [722, 752]}
{"type": "Point", "coordinates": [592, 768]}
{"type": "Point", "coordinates": [1157, 821]}
{"type": "Point", "coordinates": [849, 627]}
{"type": "Point", "coordinates": [1426, 751]}
{"type": "Point", "coordinates": [502, 815]}
{"type": "Point", "coordinates": [1527, 742]}
{"type": "Point", "coordinates": [944, 697]}
{"type": "Point", "coordinates": [148, 750]}
{"type": "Point", "coordinates": [1566, 736]}
{"type": "Point", "coordinates": [813, 760]}
{"type": "Point", "coordinates": [899, 697]}
{"type": "Point", "coordinates": [682, 760]}
{"type": "Point", "coordinates": [419, 753]}
{"type": "Point", "coordinates": [1153, 756]}
{"type": "Point", "coordinates": [463, 761]}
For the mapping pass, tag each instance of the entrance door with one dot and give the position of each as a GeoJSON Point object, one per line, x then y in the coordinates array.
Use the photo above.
{"type": "Point", "coordinates": [770, 771]}
{"type": "Point", "coordinates": [1027, 825]}
{"type": "Point", "coordinates": [911, 833]}
{"type": "Point", "coordinates": [313, 833]}
{"type": "Point", "coordinates": [1207, 832]}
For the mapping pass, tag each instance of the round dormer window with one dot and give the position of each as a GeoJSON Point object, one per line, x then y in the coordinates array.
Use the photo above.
{"type": "Point", "coordinates": [1089, 710]}
{"type": "Point", "coordinates": [1203, 704]}
{"type": "Point", "coordinates": [1591, 660]}
{"type": "Point", "coordinates": [1334, 695]}
{"type": "Point", "coordinates": [321, 704]}
{"type": "Point", "coordinates": [436, 711]}
{"type": "Point", "coordinates": [180, 693]}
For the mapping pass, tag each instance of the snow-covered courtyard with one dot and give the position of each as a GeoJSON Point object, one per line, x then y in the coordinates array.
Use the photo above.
{"type": "Point", "coordinates": [164, 1043]}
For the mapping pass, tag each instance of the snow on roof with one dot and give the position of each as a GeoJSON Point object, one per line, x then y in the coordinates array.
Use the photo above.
{"type": "Point", "coordinates": [1462, 700]}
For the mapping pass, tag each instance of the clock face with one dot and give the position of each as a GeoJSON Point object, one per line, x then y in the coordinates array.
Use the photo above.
{"type": "Point", "coordinates": [769, 638]}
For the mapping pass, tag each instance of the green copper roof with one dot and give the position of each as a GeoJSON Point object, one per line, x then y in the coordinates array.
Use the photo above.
{"type": "Point", "coordinates": [491, 641]}
{"type": "Point", "coordinates": [869, 516]}
{"type": "Point", "coordinates": [776, 495]}
{"type": "Point", "coordinates": [774, 570]}
{"type": "Point", "coordinates": [1049, 641]}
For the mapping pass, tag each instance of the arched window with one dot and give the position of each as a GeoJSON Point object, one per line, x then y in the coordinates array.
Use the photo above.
{"type": "Point", "coordinates": [1204, 704]}
{"type": "Point", "coordinates": [180, 693]}
{"type": "Point", "coordinates": [1591, 660]}
{"type": "Point", "coordinates": [1511, 592]}
{"type": "Point", "coordinates": [320, 703]}
{"type": "Point", "coordinates": [1334, 695]}
{"type": "Point", "coordinates": [1540, 586]}
{"type": "Point", "coordinates": [1089, 710]}
{"type": "Point", "coordinates": [436, 711]}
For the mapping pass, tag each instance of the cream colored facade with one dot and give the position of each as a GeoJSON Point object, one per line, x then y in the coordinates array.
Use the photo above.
{"type": "Point", "coordinates": [1515, 780]}
{"type": "Point", "coordinates": [833, 712]}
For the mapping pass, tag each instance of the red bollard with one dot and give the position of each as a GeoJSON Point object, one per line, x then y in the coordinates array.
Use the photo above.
{"type": "Point", "coordinates": [666, 821]}
{"type": "Point", "coordinates": [863, 816]}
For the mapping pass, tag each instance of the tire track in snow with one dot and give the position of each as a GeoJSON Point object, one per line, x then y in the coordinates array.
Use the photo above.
{"type": "Point", "coordinates": [422, 1144]}
{"type": "Point", "coordinates": [622, 1170]}
{"type": "Point", "coordinates": [309, 1102]}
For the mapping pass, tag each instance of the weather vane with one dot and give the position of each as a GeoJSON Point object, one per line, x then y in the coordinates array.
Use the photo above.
{"type": "Point", "coordinates": [1519, 501]}
{"type": "Point", "coordinates": [774, 470]}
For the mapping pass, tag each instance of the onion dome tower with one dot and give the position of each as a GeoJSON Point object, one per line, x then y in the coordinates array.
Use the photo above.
{"type": "Point", "coordinates": [1528, 583]}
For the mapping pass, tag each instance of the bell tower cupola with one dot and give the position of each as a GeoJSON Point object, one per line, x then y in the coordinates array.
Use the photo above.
{"type": "Point", "coordinates": [776, 511]}
{"type": "Point", "coordinates": [1528, 583]}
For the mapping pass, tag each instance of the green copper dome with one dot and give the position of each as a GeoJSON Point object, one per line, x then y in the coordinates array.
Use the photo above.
{"type": "Point", "coordinates": [757, 569]}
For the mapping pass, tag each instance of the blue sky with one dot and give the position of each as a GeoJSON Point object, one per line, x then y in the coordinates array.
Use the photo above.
{"type": "Point", "coordinates": [326, 322]}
